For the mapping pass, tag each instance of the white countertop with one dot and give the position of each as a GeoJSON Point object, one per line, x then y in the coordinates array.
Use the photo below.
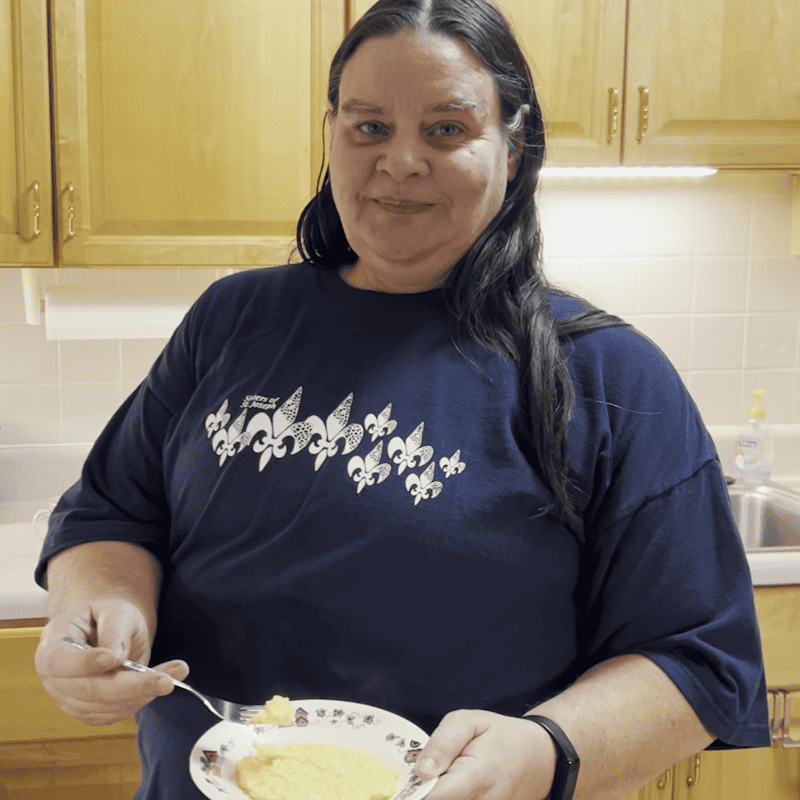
{"type": "Point", "coordinates": [20, 597]}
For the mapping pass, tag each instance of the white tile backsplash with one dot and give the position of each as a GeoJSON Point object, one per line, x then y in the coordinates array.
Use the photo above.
{"type": "Point", "coordinates": [719, 285]}
{"type": "Point", "coordinates": [710, 266]}
{"type": "Point", "coordinates": [702, 267]}
{"type": "Point", "coordinates": [717, 341]}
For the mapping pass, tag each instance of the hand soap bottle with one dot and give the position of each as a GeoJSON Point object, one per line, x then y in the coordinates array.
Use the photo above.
{"type": "Point", "coordinates": [754, 450]}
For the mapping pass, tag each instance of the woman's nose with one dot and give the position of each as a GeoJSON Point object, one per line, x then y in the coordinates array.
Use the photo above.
{"type": "Point", "coordinates": [404, 158]}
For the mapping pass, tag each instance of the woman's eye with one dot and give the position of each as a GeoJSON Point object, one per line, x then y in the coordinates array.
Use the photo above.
{"type": "Point", "coordinates": [447, 130]}
{"type": "Point", "coordinates": [372, 128]}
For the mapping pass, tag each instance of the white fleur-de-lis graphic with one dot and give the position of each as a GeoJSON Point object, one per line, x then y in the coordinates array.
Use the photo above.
{"type": "Point", "coordinates": [270, 434]}
{"type": "Point", "coordinates": [382, 425]}
{"type": "Point", "coordinates": [410, 453]}
{"type": "Point", "coordinates": [334, 431]}
{"type": "Point", "coordinates": [365, 471]}
{"type": "Point", "coordinates": [423, 487]}
{"type": "Point", "coordinates": [219, 420]}
{"type": "Point", "coordinates": [453, 465]}
{"type": "Point", "coordinates": [229, 441]}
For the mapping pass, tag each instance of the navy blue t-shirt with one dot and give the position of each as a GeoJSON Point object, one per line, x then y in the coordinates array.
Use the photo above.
{"type": "Point", "coordinates": [346, 503]}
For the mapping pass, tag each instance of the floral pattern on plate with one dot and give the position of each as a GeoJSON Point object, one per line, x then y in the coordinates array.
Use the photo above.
{"type": "Point", "coordinates": [212, 762]}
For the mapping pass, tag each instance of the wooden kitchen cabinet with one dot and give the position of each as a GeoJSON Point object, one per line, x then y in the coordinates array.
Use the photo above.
{"type": "Point", "coordinates": [576, 52]}
{"type": "Point", "coordinates": [720, 83]}
{"type": "Point", "coordinates": [187, 133]}
{"type": "Point", "coordinates": [45, 753]}
{"type": "Point", "coordinates": [26, 221]}
{"type": "Point", "coordinates": [718, 80]}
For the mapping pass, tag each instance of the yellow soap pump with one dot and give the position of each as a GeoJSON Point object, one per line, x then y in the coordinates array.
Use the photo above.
{"type": "Point", "coordinates": [754, 451]}
{"type": "Point", "coordinates": [757, 410]}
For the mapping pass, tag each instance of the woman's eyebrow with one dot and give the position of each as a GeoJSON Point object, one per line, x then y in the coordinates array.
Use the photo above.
{"type": "Point", "coordinates": [455, 105]}
{"type": "Point", "coordinates": [360, 107]}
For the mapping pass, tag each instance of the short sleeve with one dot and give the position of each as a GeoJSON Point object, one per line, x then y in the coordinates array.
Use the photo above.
{"type": "Point", "coordinates": [664, 572]}
{"type": "Point", "coordinates": [670, 581]}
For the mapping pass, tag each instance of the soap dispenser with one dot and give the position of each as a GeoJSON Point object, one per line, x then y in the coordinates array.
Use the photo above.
{"type": "Point", "coordinates": [754, 450]}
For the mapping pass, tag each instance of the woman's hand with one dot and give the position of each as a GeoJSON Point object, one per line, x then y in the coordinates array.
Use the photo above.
{"type": "Point", "coordinates": [480, 755]}
{"type": "Point", "coordinates": [88, 684]}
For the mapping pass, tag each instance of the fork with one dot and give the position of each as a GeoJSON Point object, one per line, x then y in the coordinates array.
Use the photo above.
{"type": "Point", "coordinates": [224, 709]}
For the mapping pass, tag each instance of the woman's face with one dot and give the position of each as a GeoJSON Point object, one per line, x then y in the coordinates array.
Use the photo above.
{"type": "Point", "coordinates": [419, 162]}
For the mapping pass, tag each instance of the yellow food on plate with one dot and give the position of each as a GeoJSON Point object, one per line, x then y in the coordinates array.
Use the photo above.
{"type": "Point", "coordinates": [277, 711]}
{"type": "Point", "coordinates": [315, 772]}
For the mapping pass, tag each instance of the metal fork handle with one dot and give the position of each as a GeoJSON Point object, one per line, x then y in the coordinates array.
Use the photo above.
{"type": "Point", "coordinates": [137, 667]}
{"type": "Point", "coordinates": [134, 665]}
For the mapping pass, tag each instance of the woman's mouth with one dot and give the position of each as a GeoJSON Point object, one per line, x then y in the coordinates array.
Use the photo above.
{"type": "Point", "coordinates": [402, 206]}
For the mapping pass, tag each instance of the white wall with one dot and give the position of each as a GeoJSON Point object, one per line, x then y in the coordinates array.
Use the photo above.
{"type": "Point", "coordinates": [702, 267]}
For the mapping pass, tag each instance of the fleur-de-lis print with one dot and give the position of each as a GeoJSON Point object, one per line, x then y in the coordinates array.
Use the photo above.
{"type": "Point", "coordinates": [219, 420]}
{"type": "Point", "coordinates": [453, 465]}
{"type": "Point", "coordinates": [334, 431]}
{"type": "Point", "coordinates": [270, 434]}
{"type": "Point", "coordinates": [410, 453]}
{"type": "Point", "coordinates": [365, 471]}
{"type": "Point", "coordinates": [423, 487]}
{"type": "Point", "coordinates": [229, 441]}
{"type": "Point", "coordinates": [382, 425]}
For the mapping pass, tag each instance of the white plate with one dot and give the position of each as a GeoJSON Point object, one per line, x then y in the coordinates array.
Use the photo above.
{"type": "Point", "coordinates": [397, 741]}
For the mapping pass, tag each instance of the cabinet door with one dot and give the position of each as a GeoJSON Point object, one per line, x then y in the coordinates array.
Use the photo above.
{"type": "Point", "coordinates": [778, 609]}
{"type": "Point", "coordinates": [29, 713]}
{"type": "Point", "coordinates": [760, 774]}
{"type": "Point", "coordinates": [576, 51]}
{"type": "Point", "coordinates": [715, 81]}
{"type": "Point", "coordinates": [188, 132]}
{"type": "Point", "coordinates": [26, 223]}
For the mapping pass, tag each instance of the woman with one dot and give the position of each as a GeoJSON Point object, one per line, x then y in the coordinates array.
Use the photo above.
{"type": "Point", "coordinates": [407, 473]}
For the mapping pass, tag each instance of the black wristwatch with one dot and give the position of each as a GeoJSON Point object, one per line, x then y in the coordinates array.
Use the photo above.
{"type": "Point", "coordinates": [567, 761]}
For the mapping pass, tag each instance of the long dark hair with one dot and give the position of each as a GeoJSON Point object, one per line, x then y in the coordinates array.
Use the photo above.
{"type": "Point", "coordinates": [497, 290]}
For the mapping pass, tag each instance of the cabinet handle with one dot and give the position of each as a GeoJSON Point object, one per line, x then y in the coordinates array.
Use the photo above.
{"type": "Point", "coordinates": [613, 113]}
{"type": "Point", "coordinates": [70, 193]}
{"type": "Point", "coordinates": [37, 210]}
{"type": "Point", "coordinates": [694, 778]}
{"type": "Point", "coordinates": [644, 112]}
{"type": "Point", "coordinates": [782, 716]}
{"type": "Point", "coordinates": [662, 782]}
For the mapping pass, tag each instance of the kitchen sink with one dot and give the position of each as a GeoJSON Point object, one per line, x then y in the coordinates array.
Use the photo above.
{"type": "Point", "coordinates": [768, 517]}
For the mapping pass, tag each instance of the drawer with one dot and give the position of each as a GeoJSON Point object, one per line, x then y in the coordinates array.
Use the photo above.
{"type": "Point", "coordinates": [29, 713]}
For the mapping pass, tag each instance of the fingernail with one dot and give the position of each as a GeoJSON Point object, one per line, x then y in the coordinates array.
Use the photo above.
{"type": "Point", "coordinates": [429, 767]}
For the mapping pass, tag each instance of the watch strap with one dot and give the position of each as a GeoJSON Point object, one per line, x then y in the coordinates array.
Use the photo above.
{"type": "Point", "coordinates": [567, 761]}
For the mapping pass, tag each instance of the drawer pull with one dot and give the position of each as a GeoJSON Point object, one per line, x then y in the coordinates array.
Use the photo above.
{"type": "Point", "coordinates": [694, 778]}
{"type": "Point", "coordinates": [613, 113]}
{"type": "Point", "coordinates": [782, 717]}
{"type": "Point", "coordinates": [37, 210]}
{"type": "Point", "coordinates": [644, 112]}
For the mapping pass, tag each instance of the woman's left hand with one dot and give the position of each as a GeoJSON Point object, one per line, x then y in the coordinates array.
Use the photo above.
{"type": "Point", "coordinates": [480, 755]}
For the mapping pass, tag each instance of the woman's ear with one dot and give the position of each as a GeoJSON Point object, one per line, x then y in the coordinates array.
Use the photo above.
{"type": "Point", "coordinates": [517, 139]}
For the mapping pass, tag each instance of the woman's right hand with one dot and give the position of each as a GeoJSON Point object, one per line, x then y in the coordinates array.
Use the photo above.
{"type": "Point", "coordinates": [88, 684]}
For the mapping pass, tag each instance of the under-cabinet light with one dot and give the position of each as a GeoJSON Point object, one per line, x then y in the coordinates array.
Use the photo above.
{"type": "Point", "coordinates": [627, 172]}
